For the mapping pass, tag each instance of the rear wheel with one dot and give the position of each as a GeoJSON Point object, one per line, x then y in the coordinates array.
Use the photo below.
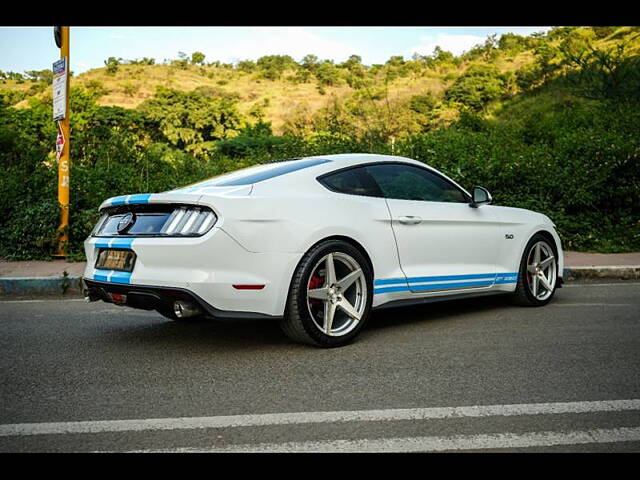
{"type": "Point", "coordinates": [538, 273]}
{"type": "Point", "coordinates": [330, 295]}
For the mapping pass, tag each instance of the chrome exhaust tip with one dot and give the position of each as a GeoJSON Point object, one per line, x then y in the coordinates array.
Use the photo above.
{"type": "Point", "coordinates": [90, 296]}
{"type": "Point", "coordinates": [184, 309]}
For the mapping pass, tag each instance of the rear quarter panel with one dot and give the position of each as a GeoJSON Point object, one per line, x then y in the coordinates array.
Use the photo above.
{"type": "Point", "coordinates": [287, 221]}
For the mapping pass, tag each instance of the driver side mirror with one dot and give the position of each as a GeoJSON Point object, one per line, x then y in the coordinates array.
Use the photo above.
{"type": "Point", "coordinates": [480, 196]}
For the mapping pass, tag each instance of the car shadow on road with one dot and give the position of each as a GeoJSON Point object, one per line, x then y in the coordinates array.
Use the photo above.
{"type": "Point", "coordinates": [255, 334]}
{"type": "Point", "coordinates": [206, 334]}
{"type": "Point", "coordinates": [436, 312]}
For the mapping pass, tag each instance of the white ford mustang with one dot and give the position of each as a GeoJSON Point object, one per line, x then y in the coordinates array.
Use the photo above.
{"type": "Point", "coordinates": [317, 243]}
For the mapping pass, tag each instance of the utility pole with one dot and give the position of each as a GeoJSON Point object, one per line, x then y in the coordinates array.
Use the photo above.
{"type": "Point", "coordinates": [61, 115]}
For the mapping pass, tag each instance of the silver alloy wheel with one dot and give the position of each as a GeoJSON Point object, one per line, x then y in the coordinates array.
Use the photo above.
{"type": "Point", "coordinates": [542, 270]}
{"type": "Point", "coordinates": [337, 305]}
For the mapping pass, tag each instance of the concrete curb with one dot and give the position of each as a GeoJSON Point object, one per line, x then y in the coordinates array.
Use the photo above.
{"type": "Point", "coordinates": [71, 284]}
{"type": "Point", "coordinates": [39, 285]}
{"type": "Point", "coordinates": [627, 272]}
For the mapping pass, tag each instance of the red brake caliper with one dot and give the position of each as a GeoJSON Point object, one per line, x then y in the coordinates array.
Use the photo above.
{"type": "Point", "coordinates": [315, 282]}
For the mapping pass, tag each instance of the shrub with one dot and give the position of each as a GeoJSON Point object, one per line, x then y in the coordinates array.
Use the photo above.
{"type": "Point", "coordinates": [130, 88]}
{"type": "Point", "coordinates": [478, 86]}
{"type": "Point", "coordinates": [96, 88]}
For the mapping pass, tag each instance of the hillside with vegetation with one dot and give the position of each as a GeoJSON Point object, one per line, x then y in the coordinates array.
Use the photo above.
{"type": "Point", "coordinates": [548, 122]}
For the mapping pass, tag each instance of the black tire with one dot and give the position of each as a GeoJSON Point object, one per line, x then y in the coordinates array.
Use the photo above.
{"type": "Point", "coordinates": [297, 323]}
{"type": "Point", "coordinates": [523, 295]}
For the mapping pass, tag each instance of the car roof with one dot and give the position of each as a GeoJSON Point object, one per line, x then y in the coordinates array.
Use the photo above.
{"type": "Point", "coordinates": [348, 159]}
{"type": "Point", "coordinates": [294, 170]}
{"type": "Point", "coordinates": [314, 165]}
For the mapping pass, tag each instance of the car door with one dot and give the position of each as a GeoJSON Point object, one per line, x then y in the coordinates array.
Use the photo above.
{"type": "Point", "coordinates": [443, 243]}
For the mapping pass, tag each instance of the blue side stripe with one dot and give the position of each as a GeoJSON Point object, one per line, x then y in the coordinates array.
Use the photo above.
{"type": "Point", "coordinates": [482, 279]}
{"type": "Point", "coordinates": [453, 277]}
{"type": "Point", "coordinates": [390, 289]}
{"type": "Point", "coordinates": [389, 281]}
{"type": "Point", "coordinates": [442, 278]}
{"type": "Point", "coordinates": [441, 286]}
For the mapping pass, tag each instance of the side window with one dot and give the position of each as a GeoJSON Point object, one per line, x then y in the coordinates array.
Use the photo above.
{"type": "Point", "coordinates": [354, 181]}
{"type": "Point", "coordinates": [406, 182]}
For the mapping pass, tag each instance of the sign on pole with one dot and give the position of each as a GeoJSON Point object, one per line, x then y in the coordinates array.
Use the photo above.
{"type": "Point", "coordinates": [59, 143]}
{"type": "Point", "coordinates": [59, 89]}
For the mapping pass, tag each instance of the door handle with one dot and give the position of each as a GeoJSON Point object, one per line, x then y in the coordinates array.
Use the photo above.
{"type": "Point", "coordinates": [409, 220]}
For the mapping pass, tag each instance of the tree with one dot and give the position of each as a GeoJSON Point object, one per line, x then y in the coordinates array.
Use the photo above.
{"type": "Point", "coordinates": [192, 121]}
{"type": "Point", "coordinates": [309, 62]}
{"type": "Point", "coordinates": [354, 61]}
{"type": "Point", "coordinates": [273, 66]}
{"type": "Point", "coordinates": [247, 66]}
{"type": "Point", "coordinates": [182, 62]}
{"type": "Point", "coordinates": [395, 61]}
{"type": "Point", "coordinates": [112, 64]}
{"type": "Point", "coordinates": [327, 74]}
{"type": "Point", "coordinates": [197, 58]}
{"type": "Point", "coordinates": [45, 75]}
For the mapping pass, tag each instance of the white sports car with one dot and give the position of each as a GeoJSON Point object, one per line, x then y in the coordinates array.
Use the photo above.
{"type": "Point", "coordinates": [317, 243]}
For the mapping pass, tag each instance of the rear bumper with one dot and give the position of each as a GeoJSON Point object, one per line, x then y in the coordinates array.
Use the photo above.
{"type": "Point", "coordinates": [206, 267]}
{"type": "Point", "coordinates": [161, 299]}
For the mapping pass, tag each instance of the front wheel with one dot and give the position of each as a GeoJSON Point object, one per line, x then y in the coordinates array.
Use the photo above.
{"type": "Point", "coordinates": [538, 273]}
{"type": "Point", "coordinates": [330, 295]}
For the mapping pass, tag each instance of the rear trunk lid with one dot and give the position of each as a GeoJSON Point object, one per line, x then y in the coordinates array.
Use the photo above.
{"type": "Point", "coordinates": [186, 195]}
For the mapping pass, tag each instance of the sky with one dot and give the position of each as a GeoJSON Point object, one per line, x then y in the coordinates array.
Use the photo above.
{"type": "Point", "coordinates": [33, 48]}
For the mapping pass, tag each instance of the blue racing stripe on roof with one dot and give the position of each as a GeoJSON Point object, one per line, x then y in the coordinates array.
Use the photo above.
{"type": "Point", "coordinates": [118, 200]}
{"type": "Point", "coordinates": [121, 242]}
{"type": "Point", "coordinates": [114, 243]}
{"type": "Point", "coordinates": [139, 198]}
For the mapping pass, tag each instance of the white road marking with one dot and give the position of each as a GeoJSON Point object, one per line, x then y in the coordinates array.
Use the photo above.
{"type": "Point", "coordinates": [228, 421]}
{"type": "Point", "coordinates": [431, 444]}
{"type": "Point", "coordinates": [595, 304]}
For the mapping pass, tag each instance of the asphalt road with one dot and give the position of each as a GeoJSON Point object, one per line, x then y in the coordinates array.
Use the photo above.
{"type": "Point", "coordinates": [96, 377]}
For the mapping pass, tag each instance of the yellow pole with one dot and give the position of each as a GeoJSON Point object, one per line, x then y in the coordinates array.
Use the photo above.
{"type": "Point", "coordinates": [64, 162]}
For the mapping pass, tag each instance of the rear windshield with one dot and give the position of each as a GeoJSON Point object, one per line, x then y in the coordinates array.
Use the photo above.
{"type": "Point", "coordinates": [259, 173]}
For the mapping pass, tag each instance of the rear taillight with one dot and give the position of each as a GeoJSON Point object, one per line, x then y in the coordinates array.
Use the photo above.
{"type": "Point", "coordinates": [156, 220]}
{"type": "Point", "coordinates": [189, 221]}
